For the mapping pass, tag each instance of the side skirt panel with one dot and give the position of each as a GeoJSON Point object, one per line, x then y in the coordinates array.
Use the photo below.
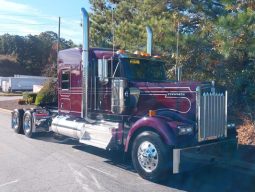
{"type": "Point", "coordinates": [100, 134]}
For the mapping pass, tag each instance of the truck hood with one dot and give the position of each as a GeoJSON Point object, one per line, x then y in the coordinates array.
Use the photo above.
{"type": "Point", "coordinates": [167, 98]}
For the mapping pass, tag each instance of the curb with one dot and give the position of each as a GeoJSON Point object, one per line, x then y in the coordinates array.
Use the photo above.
{"type": "Point", "coordinates": [5, 110]}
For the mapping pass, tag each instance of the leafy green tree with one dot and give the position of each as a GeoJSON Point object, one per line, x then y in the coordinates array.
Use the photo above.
{"type": "Point", "coordinates": [36, 53]}
{"type": "Point", "coordinates": [234, 39]}
{"type": "Point", "coordinates": [216, 37]}
{"type": "Point", "coordinates": [130, 18]}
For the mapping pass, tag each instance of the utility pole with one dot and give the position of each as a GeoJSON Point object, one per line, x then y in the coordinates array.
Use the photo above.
{"type": "Point", "coordinates": [113, 46]}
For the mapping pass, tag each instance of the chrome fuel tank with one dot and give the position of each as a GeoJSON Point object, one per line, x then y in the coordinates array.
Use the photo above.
{"type": "Point", "coordinates": [64, 125]}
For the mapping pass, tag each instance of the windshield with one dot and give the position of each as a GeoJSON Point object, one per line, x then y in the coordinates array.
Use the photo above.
{"type": "Point", "coordinates": [144, 70]}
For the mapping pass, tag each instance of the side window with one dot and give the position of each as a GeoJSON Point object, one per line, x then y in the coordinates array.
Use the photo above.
{"type": "Point", "coordinates": [65, 80]}
{"type": "Point", "coordinates": [108, 69]}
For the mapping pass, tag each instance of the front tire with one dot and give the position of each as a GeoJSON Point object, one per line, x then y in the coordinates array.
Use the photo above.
{"type": "Point", "coordinates": [28, 124]}
{"type": "Point", "coordinates": [151, 157]}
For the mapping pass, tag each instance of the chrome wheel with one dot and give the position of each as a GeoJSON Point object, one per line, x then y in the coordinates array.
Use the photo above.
{"type": "Point", "coordinates": [27, 124]}
{"type": "Point", "coordinates": [147, 156]}
{"type": "Point", "coordinates": [15, 120]}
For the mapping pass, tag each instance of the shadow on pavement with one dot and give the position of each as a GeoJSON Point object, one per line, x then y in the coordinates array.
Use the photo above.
{"type": "Point", "coordinates": [55, 138]}
{"type": "Point", "coordinates": [206, 179]}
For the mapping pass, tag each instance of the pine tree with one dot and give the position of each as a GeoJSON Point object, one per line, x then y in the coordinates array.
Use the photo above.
{"type": "Point", "coordinates": [216, 37]}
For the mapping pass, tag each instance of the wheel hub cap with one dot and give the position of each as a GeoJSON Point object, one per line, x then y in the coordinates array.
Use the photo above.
{"type": "Point", "coordinates": [27, 124]}
{"type": "Point", "coordinates": [15, 121]}
{"type": "Point", "coordinates": [147, 156]}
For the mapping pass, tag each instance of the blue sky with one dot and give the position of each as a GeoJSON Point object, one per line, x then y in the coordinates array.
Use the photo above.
{"type": "Point", "coordinates": [23, 17]}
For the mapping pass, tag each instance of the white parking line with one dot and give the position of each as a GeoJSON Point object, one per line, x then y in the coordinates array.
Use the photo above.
{"type": "Point", "coordinates": [95, 180]}
{"type": "Point", "coordinates": [108, 174]}
{"type": "Point", "coordinates": [80, 179]}
{"type": "Point", "coordinates": [9, 183]}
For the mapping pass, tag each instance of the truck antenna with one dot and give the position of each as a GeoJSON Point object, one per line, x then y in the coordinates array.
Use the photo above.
{"type": "Point", "coordinates": [113, 32]}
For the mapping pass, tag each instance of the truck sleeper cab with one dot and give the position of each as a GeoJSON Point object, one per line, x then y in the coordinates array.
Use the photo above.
{"type": "Point", "coordinates": [124, 101]}
{"type": "Point", "coordinates": [161, 123]}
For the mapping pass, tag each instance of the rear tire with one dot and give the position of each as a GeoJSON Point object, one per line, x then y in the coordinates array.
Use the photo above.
{"type": "Point", "coordinates": [17, 120]}
{"type": "Point", "coordinates": [151, 157]}
{"type": "Point", "coordinates": [28, 124]}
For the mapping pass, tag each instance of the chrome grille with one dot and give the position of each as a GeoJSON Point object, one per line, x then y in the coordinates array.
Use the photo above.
{"type": "Point", "coordinates": [212, 115]}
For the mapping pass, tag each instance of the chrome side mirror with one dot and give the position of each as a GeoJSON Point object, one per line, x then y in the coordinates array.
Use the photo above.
{"type": "Point", "coordinates": [103, 71]}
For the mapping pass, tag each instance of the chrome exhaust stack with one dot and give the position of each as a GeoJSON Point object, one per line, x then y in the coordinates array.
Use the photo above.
{"type": "Point", "coordinates": [85, 63]}
{"type": "Point", "coordinates": [149, 39]}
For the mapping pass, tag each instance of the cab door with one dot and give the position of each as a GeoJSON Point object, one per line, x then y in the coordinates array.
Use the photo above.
{"type": "Point", "coordinates": [64, 103]}
{"type": "Point", "coordinates": [107, 71]}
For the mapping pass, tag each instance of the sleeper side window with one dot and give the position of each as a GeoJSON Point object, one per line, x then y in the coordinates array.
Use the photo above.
{"type": "Point", "coordinates": [65, 80]}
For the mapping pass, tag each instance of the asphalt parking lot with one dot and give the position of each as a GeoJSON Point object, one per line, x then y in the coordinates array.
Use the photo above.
{"type": "Point", "coordinates": [55, 163]}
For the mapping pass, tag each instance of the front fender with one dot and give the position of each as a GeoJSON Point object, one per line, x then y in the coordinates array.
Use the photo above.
{"type": "Point", "coordinates": [158, 124]}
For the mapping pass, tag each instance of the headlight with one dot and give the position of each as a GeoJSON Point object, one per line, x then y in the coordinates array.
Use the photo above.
{"type": "Point", "coordinates": [231, 126]}
{"type": "Point", "coordinates": [185, 130]}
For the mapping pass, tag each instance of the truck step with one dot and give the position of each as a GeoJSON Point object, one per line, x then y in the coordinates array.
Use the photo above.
{"type": "Point", "coordinates": [99, 135]}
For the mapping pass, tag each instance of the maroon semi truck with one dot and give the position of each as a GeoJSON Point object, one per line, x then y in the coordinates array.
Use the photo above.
{"type": "Point", "coordinates": [124, 101]}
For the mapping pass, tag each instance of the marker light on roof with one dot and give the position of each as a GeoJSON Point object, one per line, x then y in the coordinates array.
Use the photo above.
{"type": "Point", "coordinates": [141, 53]}
{"type": "Point", "coordinates": [121, 51]}
{"type": "Point", "coordinates": [137, 52]}
{"type": "Point", "coordinates": [156, 56]}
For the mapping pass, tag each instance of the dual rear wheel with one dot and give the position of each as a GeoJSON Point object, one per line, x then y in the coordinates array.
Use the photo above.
{"type": "Point", "coordinates": [22, 122]}
{"type": "Point", "coordinates": [17, 120]}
